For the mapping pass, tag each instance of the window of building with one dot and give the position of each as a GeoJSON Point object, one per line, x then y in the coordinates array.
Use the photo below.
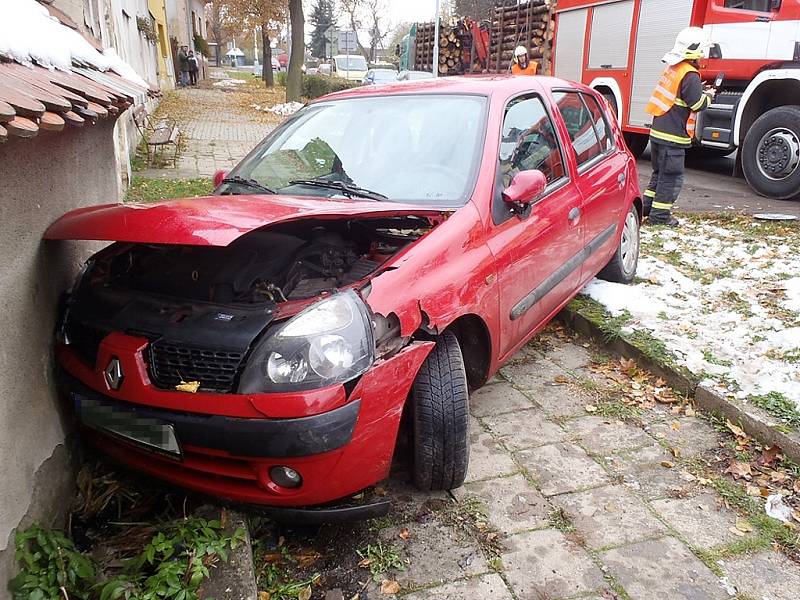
{"type": "Point", "coordinates": [529, 141]}
{"type": "Point", "coordinates": [579, 125]}
{"type": "Point", "coordinates": [755, 5]}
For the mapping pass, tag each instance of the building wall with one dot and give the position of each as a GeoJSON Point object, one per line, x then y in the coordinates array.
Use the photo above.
{"type": "Point", "coordinates": [166, 72]}
{"type": "Point", "coordinates": [43, 178]}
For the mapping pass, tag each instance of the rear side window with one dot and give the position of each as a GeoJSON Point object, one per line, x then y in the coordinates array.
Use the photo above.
{"type": "Point", "coordinates": [578, 120]}
{"type": "Point", "coordinates": [600, 122]}
{"type": "Point", "coordinates": [529, 141]}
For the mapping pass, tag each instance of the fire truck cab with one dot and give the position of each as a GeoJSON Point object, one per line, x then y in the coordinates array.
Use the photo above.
{"type": "Point", "coordinates": [615, 46]}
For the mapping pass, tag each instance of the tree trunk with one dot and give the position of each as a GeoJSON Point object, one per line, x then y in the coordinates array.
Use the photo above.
{"type": "Point", "coordinates": [266, 55]}
{"type": "Point", "coordinates": [294, 78]}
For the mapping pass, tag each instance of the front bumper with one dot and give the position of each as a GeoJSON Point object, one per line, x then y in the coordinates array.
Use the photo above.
{"type": "Point", "coordinates": [339, 443]}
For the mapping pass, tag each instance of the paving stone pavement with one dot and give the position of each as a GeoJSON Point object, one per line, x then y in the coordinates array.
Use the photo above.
{"type": "Point", "coordinates": [585, 506]}
{"type": "Point", "coordinates": [215, 135]}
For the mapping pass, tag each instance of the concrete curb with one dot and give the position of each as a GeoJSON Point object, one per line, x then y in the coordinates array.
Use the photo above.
{"type": "Point", "coordinates": [756, 422]}
{"type": "Point", "coordinates": [235, 579]}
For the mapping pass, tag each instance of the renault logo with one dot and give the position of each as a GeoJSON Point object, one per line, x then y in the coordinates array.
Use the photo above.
{"type": "Point", "coordinates": [113, 374]}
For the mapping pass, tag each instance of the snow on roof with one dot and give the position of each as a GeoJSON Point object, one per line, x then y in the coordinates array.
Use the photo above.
{"type": "Point", "coordinates": [29, 34]}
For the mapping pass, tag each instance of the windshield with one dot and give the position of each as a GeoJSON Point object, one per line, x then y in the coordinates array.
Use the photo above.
{"type": "Point", "coordinates": [354, 63]}
{"type": "Point", "coordinates": [418, 149]}
{"type": "Point", "coordinates": [384, 75]}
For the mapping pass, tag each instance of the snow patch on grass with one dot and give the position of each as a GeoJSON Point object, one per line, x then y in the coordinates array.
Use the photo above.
{"type": "Point", "coordinates": [724, 298]}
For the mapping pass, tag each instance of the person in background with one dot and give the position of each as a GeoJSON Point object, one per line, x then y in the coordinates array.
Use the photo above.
{"type": "Point", "coordinates": [677, 98]}
{"type": "Point", "coordinates": [193, 68]}
{"type": "Point", "coordinates": [522, 64]}
{"type": "Point", "coordinates": [183, 66]}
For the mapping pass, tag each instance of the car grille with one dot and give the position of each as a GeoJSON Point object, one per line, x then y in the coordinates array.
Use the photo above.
{"type": "Point", "coordinates": [171, 363]}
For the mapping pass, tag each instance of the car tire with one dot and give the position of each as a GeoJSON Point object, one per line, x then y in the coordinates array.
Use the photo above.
{"type": "Point", "coordinates": [636, 142]}
{"type": "Point", "coordinates": [622, 266]}
{"type": "Point", "coordinates": [440, 399]}
{"type": "Point", "coordinates": [772, 141]}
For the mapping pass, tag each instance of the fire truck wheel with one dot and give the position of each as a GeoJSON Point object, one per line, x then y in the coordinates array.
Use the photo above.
{"type": "Point", "coordinates": [622, 266]}
{"type": "Point", "coordinates": [637, 142]}
{"type": "Point", "coordinates": [771, 154]}
{"type": "Point", "coordinates": [441, 417]}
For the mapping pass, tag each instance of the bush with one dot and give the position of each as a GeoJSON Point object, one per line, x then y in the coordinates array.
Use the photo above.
{"type": "Point", "coordinates": [280, 78]}
{"type": "Point", "coordinates": [315, 86]}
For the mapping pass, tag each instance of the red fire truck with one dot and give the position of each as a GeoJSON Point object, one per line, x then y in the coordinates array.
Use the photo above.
{"type": "Point", "coordinates": [616, 47]}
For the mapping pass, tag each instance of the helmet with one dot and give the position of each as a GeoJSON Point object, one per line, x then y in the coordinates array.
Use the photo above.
{"type": "Point", "coordinates": [520, 51]}
{"type": "Point", "coordinates": [691, 44]}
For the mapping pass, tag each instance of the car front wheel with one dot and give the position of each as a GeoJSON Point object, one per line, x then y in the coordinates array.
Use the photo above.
{"type": "Point", "coordinates": [622, 266]}
{"type": "Point", "coordinates": [441, 417]}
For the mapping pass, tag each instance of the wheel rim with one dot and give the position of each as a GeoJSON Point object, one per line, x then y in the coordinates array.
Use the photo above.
{"type": "Point", "coordinates": [778, 154]}
{"type": "Point", "coordinates": [629, 246]}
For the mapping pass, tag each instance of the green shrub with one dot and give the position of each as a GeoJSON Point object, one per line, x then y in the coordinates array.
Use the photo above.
{"type": "Point", "coordinates": [315, 86]}
{"type": "Point", "coordinates": [280, 78]}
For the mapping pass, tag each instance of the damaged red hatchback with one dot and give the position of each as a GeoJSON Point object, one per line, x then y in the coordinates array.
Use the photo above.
{"type": "Point", "coordinates": [383, 251]}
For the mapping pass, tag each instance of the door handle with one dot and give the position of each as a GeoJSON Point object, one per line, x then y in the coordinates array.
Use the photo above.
{"type": "Point", "coordinates": [574, 215]}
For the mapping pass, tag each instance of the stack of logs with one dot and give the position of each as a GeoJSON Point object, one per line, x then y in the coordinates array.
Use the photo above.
{"type": "Point", "coordinates": [455, 47]}
{"type": "Point", "coordinates": [528, 24]}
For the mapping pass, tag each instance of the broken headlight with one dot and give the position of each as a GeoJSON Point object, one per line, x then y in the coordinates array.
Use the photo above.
{"type": "Point", "coordinates": [329, 342]}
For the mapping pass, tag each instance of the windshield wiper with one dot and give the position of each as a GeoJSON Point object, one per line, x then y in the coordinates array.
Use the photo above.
{"type": "Point", "coordinates": [348, 189]}
{"type": "Point", "coordinates": [251, 183]}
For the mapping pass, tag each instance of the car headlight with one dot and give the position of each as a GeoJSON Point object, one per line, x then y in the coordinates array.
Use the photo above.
{"type": "Point", "coordinates": [328, 342]}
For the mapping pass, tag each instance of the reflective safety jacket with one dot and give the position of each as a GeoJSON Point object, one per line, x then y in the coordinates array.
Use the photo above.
{"type": "Point", "coordinates": [676, 100]}
{"type": "Point", "coordinates": [531, 69]}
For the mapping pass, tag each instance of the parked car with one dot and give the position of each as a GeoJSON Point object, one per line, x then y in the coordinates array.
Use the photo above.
{"type": "Point", "coordinates": [375, 76]}
{"type": "Point", "coordinates": [383, 251]}
{"type": "Point", "coordinates": [324, 69]}
{"type": "Point", "coordinates": [413, 75]}
{"type": "Point", "coordinates": [352, 67]}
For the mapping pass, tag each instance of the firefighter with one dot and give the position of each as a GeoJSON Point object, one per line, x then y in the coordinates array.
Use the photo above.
{"type": "Point", "coordinates": [676, 100]}
{"type": "Point", "coordinates": [522, 64]}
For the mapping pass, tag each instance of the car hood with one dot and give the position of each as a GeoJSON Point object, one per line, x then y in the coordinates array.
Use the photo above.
{"type": "Point", "coordinates": [212, 220]}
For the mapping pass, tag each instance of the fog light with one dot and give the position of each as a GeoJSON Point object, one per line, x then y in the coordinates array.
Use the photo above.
{"type": "Point", "coordinates": [285, 477]}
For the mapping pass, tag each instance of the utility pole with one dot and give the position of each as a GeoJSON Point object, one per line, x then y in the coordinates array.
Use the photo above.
{"type": "Point", "coordinates": [436, 41]}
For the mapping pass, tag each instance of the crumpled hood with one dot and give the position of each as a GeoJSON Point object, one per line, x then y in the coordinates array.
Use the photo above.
{"type": "Point", "coordinates": [212, 220]}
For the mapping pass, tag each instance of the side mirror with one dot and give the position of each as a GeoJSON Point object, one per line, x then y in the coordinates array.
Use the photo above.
{"type": "Point", "coordinates": [219, 176]}
{"type": "Point", "coordinates": [525, 188]}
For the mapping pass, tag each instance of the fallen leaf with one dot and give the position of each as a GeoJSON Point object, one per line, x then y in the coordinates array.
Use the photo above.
{"type": "Point", "coordinates": [735, 531]}
{"type": "Point", "coordinates": [737, 431]}
{"type": "Point", "coordinates": [796, 487]}
{"type": "Point", "coordinates": [404, 533]}
{"type": "Point", "coordinates": [675, 426]}
{"type": "Point", "coordinates": [590, 408]}
{"type": "Point", "coordinates": [304, 593]}
{"type": "Point", "coordinates": [263, 595]}
{"type": "Point", "coordinates": [389, 587]}
{"type": "Point", "coordinates": [561, 379]}
{"type": "Point", "coordinates": [753, 490]}
{"type": "Point", "coordinates": [690, 412]}
{"type": "Point", "coordinates": [743, 526]}
{"type": "Point", "coordinates": [364, 562]}
{"type": "Point", "coordinates": [666, 464]}
{"type": "Point", "coordinates": [769, 455]}
{"type": "Point", "coordinates": [740, 470]}
{"type": "Point", "coordinates": [188, 386]}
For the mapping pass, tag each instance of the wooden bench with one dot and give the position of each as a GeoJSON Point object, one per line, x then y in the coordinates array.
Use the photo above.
{"type": "Point", "coordinates": [158, 134]}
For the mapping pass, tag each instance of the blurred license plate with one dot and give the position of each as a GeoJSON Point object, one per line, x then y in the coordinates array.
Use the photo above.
{"type": "Point", "coordinates": [152, 433]}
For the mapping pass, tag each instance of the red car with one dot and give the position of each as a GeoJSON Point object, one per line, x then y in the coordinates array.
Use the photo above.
{"type": "Point", "coordinates": [385, 250]}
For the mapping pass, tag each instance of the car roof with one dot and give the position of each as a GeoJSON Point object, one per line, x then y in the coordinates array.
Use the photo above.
{"type": "Point", "coordinates": [486, 85]}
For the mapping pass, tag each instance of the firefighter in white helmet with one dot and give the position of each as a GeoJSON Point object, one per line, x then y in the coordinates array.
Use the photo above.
{"type": "Point", "coordinates": [676, 100]}
{"type": "Point", "coordinates": [522, 64]}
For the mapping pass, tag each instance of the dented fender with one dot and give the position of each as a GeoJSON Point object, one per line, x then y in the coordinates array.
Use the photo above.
{"type": "Point", "coordinates": [422, 294]}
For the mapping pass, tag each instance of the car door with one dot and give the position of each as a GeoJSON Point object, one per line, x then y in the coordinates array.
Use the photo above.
{"type": "Point", "coordinates": [601, 168]}
{"type": "Point", "coordinates": [535, 247]}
